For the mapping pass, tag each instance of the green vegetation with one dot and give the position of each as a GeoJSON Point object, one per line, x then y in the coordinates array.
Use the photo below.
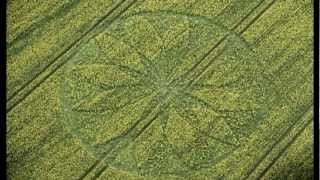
{"type": "Point", "coordinates": [144, 89]}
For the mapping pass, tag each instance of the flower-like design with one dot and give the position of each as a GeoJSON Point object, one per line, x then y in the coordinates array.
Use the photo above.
{"type": "Point", "coordinates": [181, 88]}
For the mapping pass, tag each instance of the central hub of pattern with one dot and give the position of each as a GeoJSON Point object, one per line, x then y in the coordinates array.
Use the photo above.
{"type": "Point", "coordinates": [153, 90]}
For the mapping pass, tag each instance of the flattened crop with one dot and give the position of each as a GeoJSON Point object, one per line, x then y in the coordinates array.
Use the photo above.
{"type": "Point", "coordinates": [143, 89]}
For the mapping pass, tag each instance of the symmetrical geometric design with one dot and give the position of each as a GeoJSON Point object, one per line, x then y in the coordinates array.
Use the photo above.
{"type": "Point", "coordinates": [169, 93]}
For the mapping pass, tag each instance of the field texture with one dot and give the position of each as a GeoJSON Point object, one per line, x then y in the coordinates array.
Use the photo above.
{"type": "Point", "coordinates": [160, 89]}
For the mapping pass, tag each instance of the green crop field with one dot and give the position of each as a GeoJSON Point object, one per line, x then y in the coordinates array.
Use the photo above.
{"type": "Point", "coordinates": [160, 89]}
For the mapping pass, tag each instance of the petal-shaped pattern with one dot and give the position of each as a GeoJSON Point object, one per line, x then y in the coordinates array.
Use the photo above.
{"type": "Point", "coordinates": [121, 54]}
{"type": "Point", "coordinates": [235, 66]}
{"type": "Point", "coordinates": [102, 115]}
{"type": "Point", "coordinates": [105, 76]}
{"type": "Point", "coordinates": [164, 84]}
{"type": "Point", "coordinates": [185, 137]}
{"type": "Point", "coordinates": [236, 111]}
{"type": "Point", "coordinates": [205, 120]}
{"type": "Point", "coordinates": [173, 43]}
{"type": "Point", "coordinates": [102, 101]}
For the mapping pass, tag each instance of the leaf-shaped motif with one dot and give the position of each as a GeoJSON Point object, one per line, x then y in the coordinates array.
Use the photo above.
{"type": "Point", "coordinates": [177, 90]}
{"type": "Point", "coordinates": [113, 84]}
{"type": "Point", "coordinates": [183, 40]}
